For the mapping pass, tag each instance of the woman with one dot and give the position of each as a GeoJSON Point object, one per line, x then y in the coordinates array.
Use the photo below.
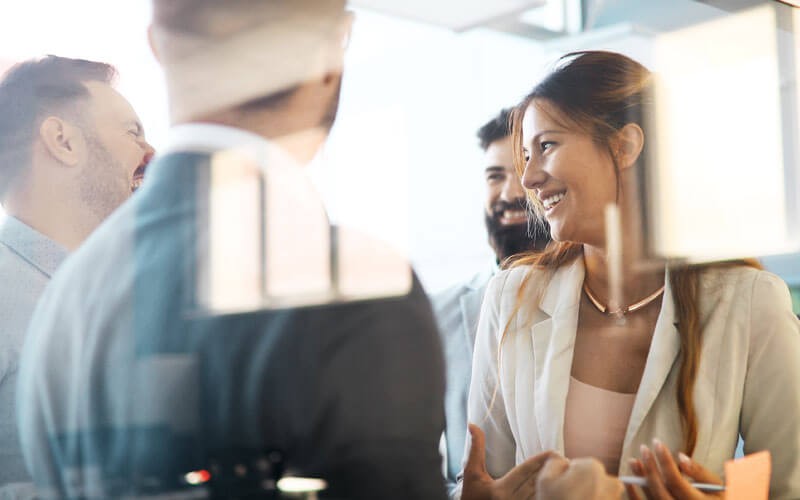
{"type": "Point", "coordinates": [704, 353]}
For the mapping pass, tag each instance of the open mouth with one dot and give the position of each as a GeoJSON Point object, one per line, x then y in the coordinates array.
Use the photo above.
{"type": "Point", "coordinates": [138, 177]}
{"type": "Point", "coordinates": [551, 201]}
{"type": "Point", "coordinates": [513, 216]}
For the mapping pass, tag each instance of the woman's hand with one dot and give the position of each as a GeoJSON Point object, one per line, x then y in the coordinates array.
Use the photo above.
{"type": "Point", "coordinates": [665, 479]}
{"type": "Point", "coordinates": [518, 483]}
{"type": "Point", "coordinates": [546, 476]}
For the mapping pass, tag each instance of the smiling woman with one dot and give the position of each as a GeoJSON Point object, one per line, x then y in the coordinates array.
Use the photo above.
{"type": "Point", "coordinates": [571, 175]}
{"type": "Point", "coordinates": [717, 355]}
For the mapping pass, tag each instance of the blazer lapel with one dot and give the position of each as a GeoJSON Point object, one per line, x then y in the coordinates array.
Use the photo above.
{"type": "Point", "coordinates": [664, 349]}
{"type": "Point", "coordinates": [553, 342]}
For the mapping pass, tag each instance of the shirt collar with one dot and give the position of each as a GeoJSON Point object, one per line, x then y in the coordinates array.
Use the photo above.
{"type": "Point", "coordinates": [36, 248]}
{"type": "Point", "coordinates": [211, 137]}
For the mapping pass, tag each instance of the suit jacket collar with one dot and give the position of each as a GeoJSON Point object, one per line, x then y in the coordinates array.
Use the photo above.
{"type": "Point", "coordinates": [212, 137]}
{"type": "Point", "coordinates": [470, 302]}
{"type": "Point", "coordinates": [553, 341]}
{"type": "Point", "coordinates": [563, 292]}
{"type": "Point", "coordinates": [209, 139]}
{"type": "Point", "coordinates": [664, 349]}
{"type": "Point", "coordinates": [553, 344]}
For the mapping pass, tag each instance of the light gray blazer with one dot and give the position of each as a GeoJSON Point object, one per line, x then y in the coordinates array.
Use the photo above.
{"type": "Point", "coordinates": [457, 310]}
{"type": "Point", "coordinates": [748, 380]}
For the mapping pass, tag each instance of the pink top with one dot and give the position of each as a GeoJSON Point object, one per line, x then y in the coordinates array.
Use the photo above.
{"type": "Point", "coordinates": [595, 423]}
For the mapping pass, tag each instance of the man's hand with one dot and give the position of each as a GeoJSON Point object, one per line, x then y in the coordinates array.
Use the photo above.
{"type": "Point", "coordinates": [518, 483]}
{"type": "Point", "coordinates": [583, 478]}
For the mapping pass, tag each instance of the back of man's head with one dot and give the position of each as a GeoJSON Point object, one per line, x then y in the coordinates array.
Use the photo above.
{"type": "Point", "coordinates": [495, 129]}
{"type": "Point", "coordinates": [217, 55]}
{"type": "Point", "coordinates": [30, 92]}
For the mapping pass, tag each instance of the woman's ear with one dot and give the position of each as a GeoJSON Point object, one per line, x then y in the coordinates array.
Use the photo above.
{"type": "Point", "coordinates": [629, 142]}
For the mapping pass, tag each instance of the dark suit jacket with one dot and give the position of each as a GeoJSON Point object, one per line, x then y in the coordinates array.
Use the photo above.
{"type": "Point", "coordinates": [129, 387]}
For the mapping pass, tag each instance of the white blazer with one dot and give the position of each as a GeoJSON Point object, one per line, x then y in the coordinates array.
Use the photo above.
{"type": "Point", "coordinates": [748, 380]}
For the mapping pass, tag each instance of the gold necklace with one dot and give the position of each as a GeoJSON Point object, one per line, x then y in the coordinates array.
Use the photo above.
{"type": "Point", "coordinates": [624, 309]}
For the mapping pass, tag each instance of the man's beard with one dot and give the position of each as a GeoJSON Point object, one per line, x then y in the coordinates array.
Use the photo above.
{"type": "Point", "coordinates": [508, 240]}
{"type": "Point", "coordinates": [104, 186]}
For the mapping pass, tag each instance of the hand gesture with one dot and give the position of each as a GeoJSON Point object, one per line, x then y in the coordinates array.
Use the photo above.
{"type": "Point", "coordinates": [665, 479]}
{"type": "Point", "coordinates": [518, 483]}
{"type": "Point", "coordinates": [583, 478]}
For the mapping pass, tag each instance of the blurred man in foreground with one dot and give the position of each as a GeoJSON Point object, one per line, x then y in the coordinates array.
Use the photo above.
{"type": "Point", "coordinates": [175, 369]}
{"type": "Point", "coordinates": [71, 151]}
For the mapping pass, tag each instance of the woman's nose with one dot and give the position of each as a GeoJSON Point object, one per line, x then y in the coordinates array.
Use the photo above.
{"type": "Point", "coordinates": [533, 176]}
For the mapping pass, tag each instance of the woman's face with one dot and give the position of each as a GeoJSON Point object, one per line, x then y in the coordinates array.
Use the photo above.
{"type": "Point", "coordinates": [570, 175]}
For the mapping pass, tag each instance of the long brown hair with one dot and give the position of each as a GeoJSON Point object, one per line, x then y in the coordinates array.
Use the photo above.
{"type": "Point", "coordinates": [598, 93]}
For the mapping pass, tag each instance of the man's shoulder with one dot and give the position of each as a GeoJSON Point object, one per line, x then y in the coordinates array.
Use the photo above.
{"type": "Point", "coordinates": [454, 292]}
{"type": "Point", "coordinates": [23, 284]}
{"type": "Point", "coordinates": [412, 305]}
{"type": "Point", "coordinates": [100, 264]}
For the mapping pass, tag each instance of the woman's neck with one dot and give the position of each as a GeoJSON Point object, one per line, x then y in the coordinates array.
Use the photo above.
{"type": "Point", "coordinates": [640, 277]}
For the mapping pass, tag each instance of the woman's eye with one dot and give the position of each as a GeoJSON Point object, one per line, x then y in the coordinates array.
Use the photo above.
{"type": "Point", "coordinates": [526, 156]}
{"type": "Point", "coordinates": [545, 145]}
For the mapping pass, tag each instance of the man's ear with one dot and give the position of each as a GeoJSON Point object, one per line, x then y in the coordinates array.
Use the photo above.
{"type": "Point", "coordinates": [346, 29]}
{"type": "Point", "coordinates": [152, 42]}
{"type": "Point", "coordinates": [628, 145]}
{"type": "Point", "coordinates": [62, 140]}
{"type": "Point", "coordinates": [334, 56]}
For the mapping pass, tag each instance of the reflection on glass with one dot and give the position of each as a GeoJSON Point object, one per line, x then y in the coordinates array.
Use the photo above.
{"type": "Point", "coordinates": [717, 162]}
{"type": "Point", "coordinates": [270, 243]}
